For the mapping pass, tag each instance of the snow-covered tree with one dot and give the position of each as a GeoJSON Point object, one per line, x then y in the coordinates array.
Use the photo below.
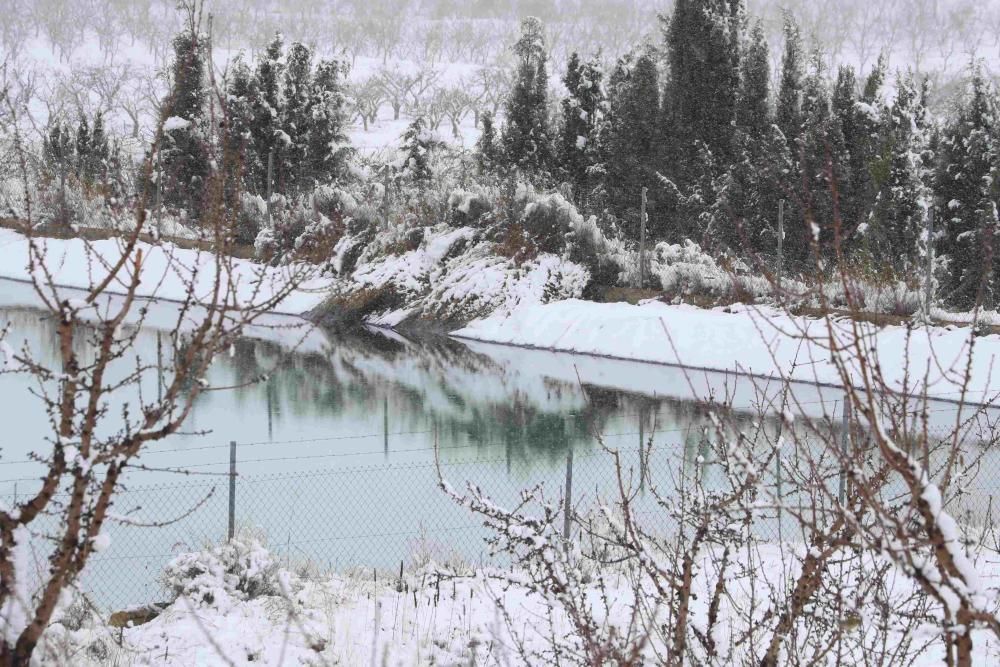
{"type": "Point", "coordinates": [703, 42]}
{"type": "Point", "coordinates": [582, 113]}
{"type": "Point", "coordinates": [417, 142]}
{"type": "Point", "coordinates": [789, 103]}
{"type": "Point", "coordinates": [295, 118]}
{"type": "Point", "coordinates": [968, 189]}
{"type": "Point", "coordinates": [183, 153]}
{"type": "Point", "coordinates": [526, 136]}
{"type": "Point", "coordinates": [487, 149]}
{"type": "Point", "coordinates": [328, 146]}
{"type": "Point", "coordinates": [904, 199]}
{"type": "Point", "coordinates": [265, 130]}
{"type": "Point", "coordinates": [630, 139]}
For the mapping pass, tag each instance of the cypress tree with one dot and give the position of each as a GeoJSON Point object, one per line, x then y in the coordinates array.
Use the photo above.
{"type": "Point", "coordinates": [295, 118]}
{"type": "Point", "coordinates": [630, 141]}
{"type": "Point", "coordinates": [904, 198]}
{"type": "Point", "coordinates": [753, 113]}
{"type": "Point", "coordinates": [416, 146]}
{"type": "Point", "coordinates": [581, 115]}
{"type": "Point", "coordinates": [526, 139]}
{"type": "Point", "coordinates": [266, 129]}
{"type": "Point", "coordinates": [788, 115]}
{"type": "Point", "coordinates": [184, 156]}
{"type": "Point", "coordinates": [703, 54]}
{"type": "Point", "coordinates": [487, 151]}
{"type": "Point", "coordinates": [968, 187]}
{"type": "Point", "coordinates": [327, 143]}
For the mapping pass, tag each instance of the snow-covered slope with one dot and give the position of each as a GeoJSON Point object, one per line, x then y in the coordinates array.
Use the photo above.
{"type": "Point", "coordinates": [166, 271]}
{"type": "Point", "coordinates": [753, 340]}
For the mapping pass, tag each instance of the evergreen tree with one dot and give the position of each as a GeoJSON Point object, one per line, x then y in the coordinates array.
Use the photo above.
{"type": "Point", "coordinates": [58, 149]}
{"type": "Point", "coordinates": [265, 131]}
{"type": "Point", "coordinates": [487, 150]}
{"type": "Point", "coordinates": [417, 146]}
{"type": "Point", "coordinates": [904, 198]}
{"type": "Point", "coordinates": [581, 116]}
{"type": "Point", "coordinates": [822, 168]}
{"type": "Point", "coordinates": [753, 187]}
{"type": "Point", "coordinates": [295, 119]}
{"type": "Point", "coordinates": [241, 154]}
{"type": "Point", "coordinates": [789, 105]}
{"type": "Point", "coordinates": [526, 139]}
{"type": "Point", "coordinates": [184, 156]}
{"type": "Point", "coordinates": [968, 188]}
{"type": "Point", "coordinates": [703, 54]}
{"type": "Point", "coordinates": [753, 114]}
{"type": "Point", "coordinates": [327, 143]}
{"type": "Point", "coordinates": [82, 146]}
{"type": "Point", "coordinates": [630, 141]}
{"type": "Point", "coordinates": [861, 122]}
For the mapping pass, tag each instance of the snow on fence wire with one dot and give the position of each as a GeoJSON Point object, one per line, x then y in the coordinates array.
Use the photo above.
{"type": "Point", "coordinates": [384, 514]}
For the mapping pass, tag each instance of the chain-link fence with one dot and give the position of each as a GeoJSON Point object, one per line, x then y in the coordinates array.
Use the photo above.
{"type": "Point", "coordinates": [376, 513]}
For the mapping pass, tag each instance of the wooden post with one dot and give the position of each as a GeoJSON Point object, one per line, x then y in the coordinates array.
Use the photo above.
{"type": "Point", "coordinates": [781, 241]}
{"type": "Point", "coordinates": [568, 508]}
{"type": "Point", "coordinates": [232, 489]}
{"type": "Point", "coordinates": [642, 240]}
{"type": "Point", "coordinates": [270, 410]}
{"type": "Point", "coordinates": [844, 440]}
{"type": "Point", "coordinates": [159, 368]}
{"type": "Point", "coordinates": [385, 199]}
{"type": "Point", "coordinates": [642, 448]}
{"type": "Point", "coordinates": [270, 184]}
{"type": "Point", "coordinates": [159, 192]}
{"type": "Point", "coordinates": [929, 278]}
{"type": "Point", "coordinates": [62, 185]}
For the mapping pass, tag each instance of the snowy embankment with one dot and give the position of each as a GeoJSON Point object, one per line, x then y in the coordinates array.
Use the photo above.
{"type": "Point", "coordinates": [760, 341]}
{"type": "Point", "coordinates": [167, 271]}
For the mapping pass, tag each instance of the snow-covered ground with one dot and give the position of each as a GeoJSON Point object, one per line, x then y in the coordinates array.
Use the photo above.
{"type": "Point", "coordinates": [237, 606]}
{"type": "Point", "coordinates": [166, 271]}
{"type": "Point", "coordinates": [748, 339]}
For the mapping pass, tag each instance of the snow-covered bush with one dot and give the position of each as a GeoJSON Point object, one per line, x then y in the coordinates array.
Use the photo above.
{"type": "Point", "coordinates": [466, 208]}
{"type": "Point", "coordinates": [241, 569]}
{"type": "Point", "coordinates": [547, 220]}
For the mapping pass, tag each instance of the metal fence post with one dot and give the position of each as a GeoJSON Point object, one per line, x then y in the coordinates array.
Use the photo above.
{"type": "Point", "coordinates": [929, 286]}
{"type": "Point", "coordinates": [642, 449]}
{"type": "Point", "coordinates": [844, 440]}
{"type": "Point", "coordinates": [232, 489]}
{"type": "Point", "coordinates": [642, 241]}
{"type": "Point", "coordinates": [781, 241]}
{"type": "Point", "coordinates": [158, 206]}
{"type": "Point", "coordinates": [568, 508]}
{"type": "Point", "coordinates": [270, 184]}
{"type": "Point", "coordinates": [385, 423]}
